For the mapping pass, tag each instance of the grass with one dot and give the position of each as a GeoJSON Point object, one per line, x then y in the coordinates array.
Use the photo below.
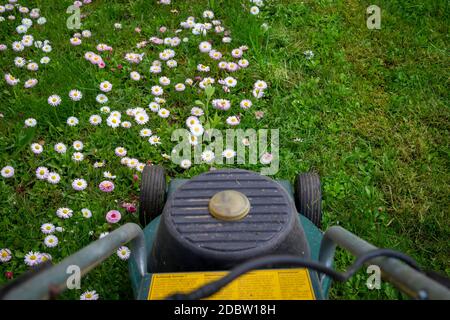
{"type": "Point", "coordinates": [369, 113]}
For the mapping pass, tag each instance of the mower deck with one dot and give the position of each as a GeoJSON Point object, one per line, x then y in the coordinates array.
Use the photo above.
{"type": "Point", "coordinates": [141, 285]}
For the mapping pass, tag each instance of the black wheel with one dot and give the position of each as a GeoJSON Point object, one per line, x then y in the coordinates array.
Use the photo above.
{"type": "Point", "coordinates": [308, 196]}
{"type": "Point", "coordinates": [153, 193]}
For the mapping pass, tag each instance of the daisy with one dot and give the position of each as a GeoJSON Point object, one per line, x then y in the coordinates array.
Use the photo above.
{"type": "Point", "coordinates": [134, 75]}
{"type": "Point", "coordinates": [197, 129]}
{"type": "Point", "coordinates": [266, 158]}
{"type": "Point", "coordinates": [89, 295]}
{"type": "Point", "coordinates": [216, 55]}
{"type": "Point", "coordinates": [145, 132]}
{"type": "Point", "coordinates": [54, 100]}
{"type": "Point", "coordinates": [72, 121]}
{"type": "Point", "coordinates": [47, 228]}
{"type": "Point", "coordinates": [19, 62]}
{"type": "Point", "coordinates": [51, 241]}
{"type": "Point", "coordinates": [75, 95]}
{"type": "Point", "coordinates": [236, 53]}
{"type": "Point", "coordinates": [154, 106]}
{"type": "Point", "coordinates": [189, 81]}
{"type": "Point", "coordinates": [32, 66]}
{"type": "Point", "coordinates": [141, 118]}
{"type": "Point", "coordinates": [180, 87]}
{"type": "Point", "coordinates": [160, 101]}
{"type": "Point", "coordinates": [123, 253]}
{"type": "Point", "coordinates": [140, 167]}
{"type": "Point", "coordinates": [164, 81]}
{"type": "Point", "coordinates": [108, 175]}
{"type": "Point", "coordinates": [78, 145]}
{"type": "Point", "coordinates": [233, 121]}
{"type": "Point", "coordinates": [11, 80]}
{"type": "Point", "coordinates": [260, 85]}
{"type": "Point", "coordinates": [163, 113]}
{"type": "Point", "coordinates": [195, 111]}
{"type": "Point", "coordinates": [172, 63]}
{"type": "Point", "coordinates": [155, 69]}
{"type": "Point", "coordinates": [45, 60]}
{"type": "Point", "coordinates": [86, 213]}
{"type": "Point", "coordinates": [113, 216]}
{"type": "Point", "coordinates": [157, 90]}
{"type": "Point", "coordinates": [154, 140]}
{"type": "Point", "coordinates": [86, 34]}
{"type": "Point", "coordinates": [124, 161]}
{"type": "Point", "coordinates": [132, 163]}
{"type": "Point", "coordinates": [77, 156]}
{"type": "Point", "coordinates": [101, 98]}
{"type": "Point", "coordinates": [60, 147]}
{"type": "Point", "coordinates": [99, 164]}
{"type": "Point", "coordinates": [105, 86]}
{"type": "Point", "coordinates": [32, 258]}
{"type": "Point", "coordinates": [193, 140]}
{"type": "Point", "coordinates": [120, 152]}
{"type": "Point", "coordinates": [79, 184]}
{"type": "Point", "coordinates": [192, 120]}
{"type": "Point", "coordinates": [229, 153]}
{"type": "Point", "coordinates": [36, 148]}
{"type": "Point", "coordinates": [113, 122]}
{"type": "Point", "coordinates": [126, 124]}
{"type": "Point", "coordinates": [5, 255]}
{"type": "Point", "coordinates": [30, 83]}
{"type": "Point", "coordinates": [18, 46]}
{"type": "Point", "coordinates": [185, 163]}
{"type": "Point", "coordinates": [222, 65]}
{"type": "Point", "coordinates": [208, 156]}
{"type": "Point", "coordinates": [243, 63]}
{"type": "Point", "coordinates": [7, 172]}
{"type": "Point", "coordinates": [245, 104]}
{"type": "Point", "coordinates": [53, 177]}
{"type": "Point", "coordinates": [64, 213]}
{"type": "Point", "coordinates": [105, 109]}
{"type": "Point", "coordinates": [221, 104]}
{"type": "Point", "coordinates": [75, 41]}
{"type": "Point", "coordinates": [95, 120]}
{"type": "Point", "coordinates": [42, 173]}
{"type": "Point", "coordinates": [232, 67]}
{"type": "Point", "coordinates": [106, 186]}
{"type": "Point", "coordinates": [258, 93]}
{"type": "Point", "coordinates": [230, 82]}
{"type": "Point", "coordinates": [254, 10]}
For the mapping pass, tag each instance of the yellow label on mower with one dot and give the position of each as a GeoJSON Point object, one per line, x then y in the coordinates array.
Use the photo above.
{"type": "Point", "coordinates": [276, 284]}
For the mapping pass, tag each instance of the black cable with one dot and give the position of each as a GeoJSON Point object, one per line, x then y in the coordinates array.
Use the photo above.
{"type": "Point", "coordinates": [213, 287]}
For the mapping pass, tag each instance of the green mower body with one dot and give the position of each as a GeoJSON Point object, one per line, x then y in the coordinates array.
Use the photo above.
{"type": "Point", "coordinates": [141, 284]}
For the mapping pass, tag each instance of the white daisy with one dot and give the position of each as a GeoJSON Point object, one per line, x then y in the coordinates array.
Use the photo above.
{"type": "Point", "coordinates": [123, 253]}
{"type": "Point", "coordinates": [51, 241]}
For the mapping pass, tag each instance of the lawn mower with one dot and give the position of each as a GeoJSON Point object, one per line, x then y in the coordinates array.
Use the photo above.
{"type": "Point", "coordinates": [232, 234]}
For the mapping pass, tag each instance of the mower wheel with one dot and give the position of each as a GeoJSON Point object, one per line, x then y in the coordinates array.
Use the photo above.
{"type": "Point", "coordinates": [308, 196]}
{"type": "Point", "coordinates": [153, 193]}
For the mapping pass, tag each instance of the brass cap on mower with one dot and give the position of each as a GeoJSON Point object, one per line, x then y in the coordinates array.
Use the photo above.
{"type": "Point", "coordinates": [229, 205]}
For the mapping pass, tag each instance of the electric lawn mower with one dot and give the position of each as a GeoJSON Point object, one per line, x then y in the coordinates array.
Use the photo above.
{"type": "Point", "coordinates": [231, 234]}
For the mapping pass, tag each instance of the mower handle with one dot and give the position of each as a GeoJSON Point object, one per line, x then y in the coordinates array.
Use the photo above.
{"type": "Point", "coordinates": [54, 279]}
{"type": "Point", "coordinates": [405, 278]}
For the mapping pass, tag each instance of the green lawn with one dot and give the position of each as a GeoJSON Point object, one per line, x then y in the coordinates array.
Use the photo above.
{"type": "Point", "coordinates": [369, 112]}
